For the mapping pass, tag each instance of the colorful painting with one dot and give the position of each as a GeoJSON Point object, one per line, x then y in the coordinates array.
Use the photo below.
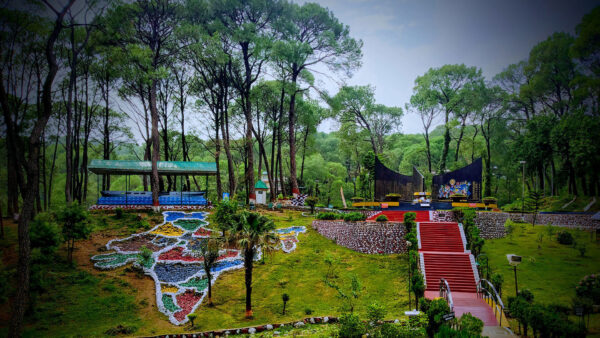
{"type": "Point", "coordinates": [453, 187]}
{"type": "Point", "coordinates": [179, 277]}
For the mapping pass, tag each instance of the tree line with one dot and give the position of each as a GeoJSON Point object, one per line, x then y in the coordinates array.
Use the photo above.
{"type": "Point", "coordinates": [238, 82]}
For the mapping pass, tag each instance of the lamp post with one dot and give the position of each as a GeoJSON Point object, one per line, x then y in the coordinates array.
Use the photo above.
{"type": "Point", "coordinates": [408, 244]}
{"type": "Point", "coordinates": [523, 194]}
{"type": "Point", "coordinates": [514, 260]}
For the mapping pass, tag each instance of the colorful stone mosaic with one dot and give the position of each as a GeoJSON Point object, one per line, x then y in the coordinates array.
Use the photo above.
{"type": "Point", "coordinates": [180, 280]}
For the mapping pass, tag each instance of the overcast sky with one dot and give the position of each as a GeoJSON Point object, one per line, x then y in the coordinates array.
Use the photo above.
{"type": "Point", "coordinates": [404, 38]}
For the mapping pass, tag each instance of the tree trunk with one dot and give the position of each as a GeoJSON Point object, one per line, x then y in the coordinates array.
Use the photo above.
{"type": "Point", "coordinates": [428, 148]}
{"type": "Point", "coordinates": [488, 168]}
{"type": "Point", "coordinates": [248, 265]}
{"type": "Point", "coordinates": [303, 156]}
{"type": "Point", "coordinates": [292, 136]}
{"type": "Point", "coordinates": [226, 145]}
{"type": "Point", "coordinates": [217, 160]}
{"type": "Point", "coordinates": [460, 136]}
{"type": "Point", "coordinates": [165, 137]}
{"type": "Point", "coordinates": [446, 143]}
{"type": "Point", "coordinates": [31, 191]}
{"type": "Point", "coordinates": [209, 277]}
{"type": "Point", "coordinates": [155, 145]}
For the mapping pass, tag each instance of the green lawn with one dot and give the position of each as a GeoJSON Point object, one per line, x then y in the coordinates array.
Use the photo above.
{"type": "Point", "coordinates": [81, 303]}
{"type": "Point", "coordinates": [549, 269]}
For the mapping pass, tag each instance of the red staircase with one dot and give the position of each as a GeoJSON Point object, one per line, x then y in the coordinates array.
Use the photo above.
{"type": "Point", "coordinates": [455, 268]}
{"type": "Point", "coordinates": [440, 237]}
{"type": "Point", "coordinates": [444, 256]}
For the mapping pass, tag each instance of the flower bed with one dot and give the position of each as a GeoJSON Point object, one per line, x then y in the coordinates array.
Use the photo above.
{"type": "Point", "coordinates": [179, 277]}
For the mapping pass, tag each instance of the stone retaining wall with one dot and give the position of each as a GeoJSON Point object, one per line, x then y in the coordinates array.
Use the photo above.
{"type": "Point", "coordinates": [491, 224]}
{"type": "Point", "coordinates": [365, 237]}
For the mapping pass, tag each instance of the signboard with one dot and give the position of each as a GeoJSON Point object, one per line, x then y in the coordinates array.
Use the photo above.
{"type": "Point", "coordinates": [579, 311]}
{"type": "Point", "coordinates": [448, 316]}
{"type": "Point", "coordinates": [384, 205]}
{"type": "Point", "coordinates": [225, 196]}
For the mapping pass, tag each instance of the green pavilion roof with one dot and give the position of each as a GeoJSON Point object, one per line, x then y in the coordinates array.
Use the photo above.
{"type": "Point", "coordinates": [124, 167]}
{"type": "Point", "coordinates": [260, 185]}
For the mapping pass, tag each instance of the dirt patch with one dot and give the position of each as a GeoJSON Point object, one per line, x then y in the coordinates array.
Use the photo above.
{"type": "Point", "coordinates": [142, 287]}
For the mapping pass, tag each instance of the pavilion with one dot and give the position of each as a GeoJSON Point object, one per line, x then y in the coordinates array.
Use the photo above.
{"type": "Point", "coordinates": [173, 168]}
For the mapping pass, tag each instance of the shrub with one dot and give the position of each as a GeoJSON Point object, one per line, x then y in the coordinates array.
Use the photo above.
{"type": "Point", "coordinates": [354, 217]}
{"type": "Point", "coordinates": [582, 249]}
{"type": "Point", "coordinates": [311, 201]}
{"type": "Point", "coordinates": [118, 213]}
{"type": "Point", "coordinates": [412, 238]}
{"type": "Point", "coordinates": [418, 286]}
{"type": "Point", "coordinates": [435, 312]}
{"type": "Point", "coordinates": [308, 311]}
{"type": "Point", "coordinates": [75, 225]}
{"type": "Point", "coordinates": [565, 237]}
{"type": "Point", "coordinates": [381, 218]}
{"type": "Point", "coordinates": [144, 257]}
{"type": "Point", "coordinates": [527, 295]}
{"type": "Point", "coordinates": [470, 324]}
{"type": "Point", "coordinates": [410, 216]}
{"type": "Point", "coordinates": [351, 326]}
{"type": "Point", "coordinates": [328, 216]}
{"type": "Point", "coordinates": [497, 279]}
{"type": "Point", "coordinates": [589, 287]}
{"type": "Point", "coordinates": [44, 234]}
{"type": "Point", "coordinates": [389, 330]}
{"type": "Point", "coordinates": [376, 312]}
{"type": "Point", "coordinates": [192, 317]}
{"type": "Point", "coordinates": [285, 298]}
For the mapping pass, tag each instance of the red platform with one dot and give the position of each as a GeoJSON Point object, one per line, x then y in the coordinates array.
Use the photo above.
{"type": "Point", "coordinates": [398, 215]}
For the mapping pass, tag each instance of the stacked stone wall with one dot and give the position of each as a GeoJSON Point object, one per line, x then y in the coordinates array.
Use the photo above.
{"type": "Point", "coordinates": [491, 224]}
{"type": "Point", "coordinates": [365, 237]}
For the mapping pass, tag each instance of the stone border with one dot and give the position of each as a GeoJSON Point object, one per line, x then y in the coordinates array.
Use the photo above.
{"type": "Point", "coordinates": [365, 237]}
{"type": "Point", "coordinates": [253, 329]}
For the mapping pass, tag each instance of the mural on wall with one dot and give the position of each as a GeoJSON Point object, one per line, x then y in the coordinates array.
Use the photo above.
{"type": "Point", "coordinates": [453, 187]}
{"type": "Point", "coordinates": [466, 180]}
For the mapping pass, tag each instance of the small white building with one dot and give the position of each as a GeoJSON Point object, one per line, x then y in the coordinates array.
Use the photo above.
{"type": "Point", "coordinates": [261, 192]}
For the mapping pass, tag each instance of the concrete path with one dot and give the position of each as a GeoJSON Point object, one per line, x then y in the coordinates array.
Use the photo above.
{"type": "Point", "coordinates": [497, 331]}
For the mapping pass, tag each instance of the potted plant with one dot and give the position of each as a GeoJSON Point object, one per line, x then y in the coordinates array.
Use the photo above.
{"type": "Point", "coordinates": [458, 198]}
{"type": "Point", "coordinates": [393, 197]}
{"type": "Point", "coordinates": [490, 200]}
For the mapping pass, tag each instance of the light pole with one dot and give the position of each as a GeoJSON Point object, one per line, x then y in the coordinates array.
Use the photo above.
{"type": "Point", "coordinates": [408, 244]}
{"type": "Point", "coordinates": [514, 260]}
{"type": "Point", "coordinates": [523, 194]}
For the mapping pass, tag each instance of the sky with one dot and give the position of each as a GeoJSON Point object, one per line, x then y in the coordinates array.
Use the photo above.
{"type": "Point", "coordinates": [404, 38]}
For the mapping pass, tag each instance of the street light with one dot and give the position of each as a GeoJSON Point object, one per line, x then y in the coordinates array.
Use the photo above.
{"type": "Point", "coordinates": [514, 260]}
{"type": "Point", "coordinates": [523, 194]}
{"type": "Point", "coordinates": [408, 244]}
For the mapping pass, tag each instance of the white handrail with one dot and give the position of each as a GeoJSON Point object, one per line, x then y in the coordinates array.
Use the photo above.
{"type": "Point", "coordinates": [496, 295]}
{"type": "Point", "coordinates": [446, 293]}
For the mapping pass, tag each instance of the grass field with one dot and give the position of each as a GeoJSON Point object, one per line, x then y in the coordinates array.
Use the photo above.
{"type": "Point", "coordinates": [549, 269]}
{"type": "Point", "coordinates": [87, 302]}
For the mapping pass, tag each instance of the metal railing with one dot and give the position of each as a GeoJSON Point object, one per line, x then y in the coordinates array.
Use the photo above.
{"type": "Point", "coordinates": [487, 291]}
{"type": "Point", "coordinates": [446, 293]}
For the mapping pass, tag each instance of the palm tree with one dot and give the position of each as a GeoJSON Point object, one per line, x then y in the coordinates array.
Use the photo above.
{"type": "Point", "coordinates": [251, 233]}
{"type": "Point", "coordinates": [209, 252]}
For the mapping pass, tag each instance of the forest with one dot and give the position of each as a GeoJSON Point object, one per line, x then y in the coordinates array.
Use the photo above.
{"type": "Point", "coordinates": [241, 83]}
{"type": "Point", "coordinates": [238, 83]}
